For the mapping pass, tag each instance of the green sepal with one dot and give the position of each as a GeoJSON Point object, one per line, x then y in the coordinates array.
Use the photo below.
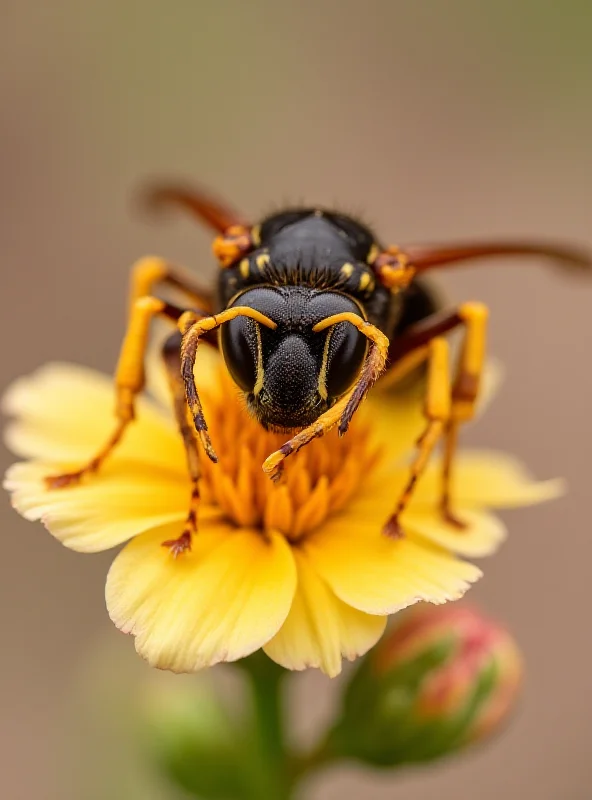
{"type": "Point", "coordinates": [377, 718]}
{"type": "Point", "coordinates": [381, 723]}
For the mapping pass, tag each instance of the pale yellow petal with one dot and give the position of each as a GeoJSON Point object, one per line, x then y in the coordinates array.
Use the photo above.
{"type": "Point", "coordinates": [65, 413]}
{"type": "Point", "coordinates": [220, 602]}
{"type": "Point", "coordinates": [397, 412]}
{"type": "Point", "coordinates": [397, 419]}
{"type": "Point", "coordinates": [481, 480]}
{"type": "Point", "coordinates": [486, 479]}
{"type": "Point", "coordinates": [379, 575]}
{"type": "Point", "coordinates": [321, 629]}
{"type": "Point", "coordinates": [378, 496]}
{"type": "Point", "coordinates": [105, 510]}
{"type": "Point", "coordinates": [482, 535]}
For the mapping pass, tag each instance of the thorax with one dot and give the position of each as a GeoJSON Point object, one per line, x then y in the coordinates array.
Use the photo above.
{"type": "Point", "coordinates": [314, 249]}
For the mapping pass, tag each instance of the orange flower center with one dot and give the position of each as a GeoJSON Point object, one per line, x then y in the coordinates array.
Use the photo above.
{"type": "Point", "coordinates": [317, 481]}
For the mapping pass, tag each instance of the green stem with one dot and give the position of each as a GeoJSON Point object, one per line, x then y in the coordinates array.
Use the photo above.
{"type": "Point", "coordinates": [266, 680]}
{"type": "Point", "coordinates": [276, 772]}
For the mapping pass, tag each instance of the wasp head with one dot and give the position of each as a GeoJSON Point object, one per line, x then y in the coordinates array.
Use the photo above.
{"type": "Point", "coordinates": [291, 375]}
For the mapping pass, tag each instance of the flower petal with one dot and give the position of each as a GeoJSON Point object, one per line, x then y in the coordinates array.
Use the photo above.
{"type": "Point", "coordinates": [397, 418]}
{"type": "Point", "coordinates": [104, 511]}
{"type": "Point", "coordinates": [220, 602]}
{"type": "Point", "coordinates": [321, 629]}
{"type": "Point", "coordinates": [397, 411]}
{"type": "Point", "coordinates": [482, 535]}
{"type": "Point", "coordinates": [486, 479]}
{"type": "Point", "coordinates": [379, 575]}
{"type": "Point", "coordinates": [64, 413]}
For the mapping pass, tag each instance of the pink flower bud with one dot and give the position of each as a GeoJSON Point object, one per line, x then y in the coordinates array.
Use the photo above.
{"type": "Point", "coordinates": [441, 679]}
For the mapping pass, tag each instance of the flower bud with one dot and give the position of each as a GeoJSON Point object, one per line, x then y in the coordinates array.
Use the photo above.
{"type": "Point", "coordinates": [443, 678]}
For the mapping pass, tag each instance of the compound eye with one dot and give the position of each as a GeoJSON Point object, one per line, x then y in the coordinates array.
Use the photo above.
{"type": "Point", "coordinates": [345, 354]}
{"type": "Point", "coordinates": [239, 343]}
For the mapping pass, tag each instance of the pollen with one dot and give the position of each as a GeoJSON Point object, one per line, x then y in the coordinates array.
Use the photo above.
{"type": "Point", "coordinates": [317, 482]}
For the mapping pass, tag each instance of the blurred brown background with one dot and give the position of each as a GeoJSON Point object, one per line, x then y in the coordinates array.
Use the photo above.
{"type": "Point", "coordinates": [434, 120]}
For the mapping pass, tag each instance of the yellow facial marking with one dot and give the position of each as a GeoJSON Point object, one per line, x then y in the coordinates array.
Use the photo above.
{"type": "Point", "coordinates": [260, 371]}
{"type": "Point", "coordinates": [373, 254]}
{"type": "Point", "coordinates": [366, 282]}
{"type": "Point", "coordinates": [262, 261]}
{"type": "Point", "coordinates": [256, 235]}
{"type": "Point", "coordinates": [347, 270]}
{"type": "Point", "coordinates": [322, 384]}
{"type": "Point", "coordinates": [244, 268]}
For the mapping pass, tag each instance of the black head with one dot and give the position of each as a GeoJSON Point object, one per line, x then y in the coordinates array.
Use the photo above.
{"type": "Point", "coordinates": [291, 375]}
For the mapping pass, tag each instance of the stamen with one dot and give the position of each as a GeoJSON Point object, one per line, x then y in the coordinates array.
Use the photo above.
{"type": "Point", "coordinates": [319, 480]}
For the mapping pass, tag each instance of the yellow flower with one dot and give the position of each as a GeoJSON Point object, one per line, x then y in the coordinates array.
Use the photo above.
{"type": "Point", "coordinates": [299, 569]}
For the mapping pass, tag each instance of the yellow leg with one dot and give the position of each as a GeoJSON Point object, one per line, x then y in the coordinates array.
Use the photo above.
{"type": "Point", "coordinates": [343, 411]}
{"type": "Point", "coordinates": [172, 360]}
{"type": "Point", "coordinates": [150, 271]}
{"type": "Point", "coordinates": [465, 392]}
{"type": "Point", "coordinates": [129, 381]}
{"type": "Point", "coordinates": [146, 274]}
{"type": "Point", "coordinates": [437, 413]}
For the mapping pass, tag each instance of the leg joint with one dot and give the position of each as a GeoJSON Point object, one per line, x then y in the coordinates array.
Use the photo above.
{"type": "Point", "coordinates": [149, 270]}
{"type": "Point", "coordinates": [473, 312]}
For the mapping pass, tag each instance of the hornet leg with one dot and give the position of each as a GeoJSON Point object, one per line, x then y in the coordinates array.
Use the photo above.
{"type": "Point", "coordinates": [171, 353]}
{"type": "Point", "coordinates": [129, 382]}
{"type": "Point", "coordinates": [129, 376]}
{"type": "Point", "coordinates": [437, 413]}
{"type": "Point", "coordinates": [406, 354]}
